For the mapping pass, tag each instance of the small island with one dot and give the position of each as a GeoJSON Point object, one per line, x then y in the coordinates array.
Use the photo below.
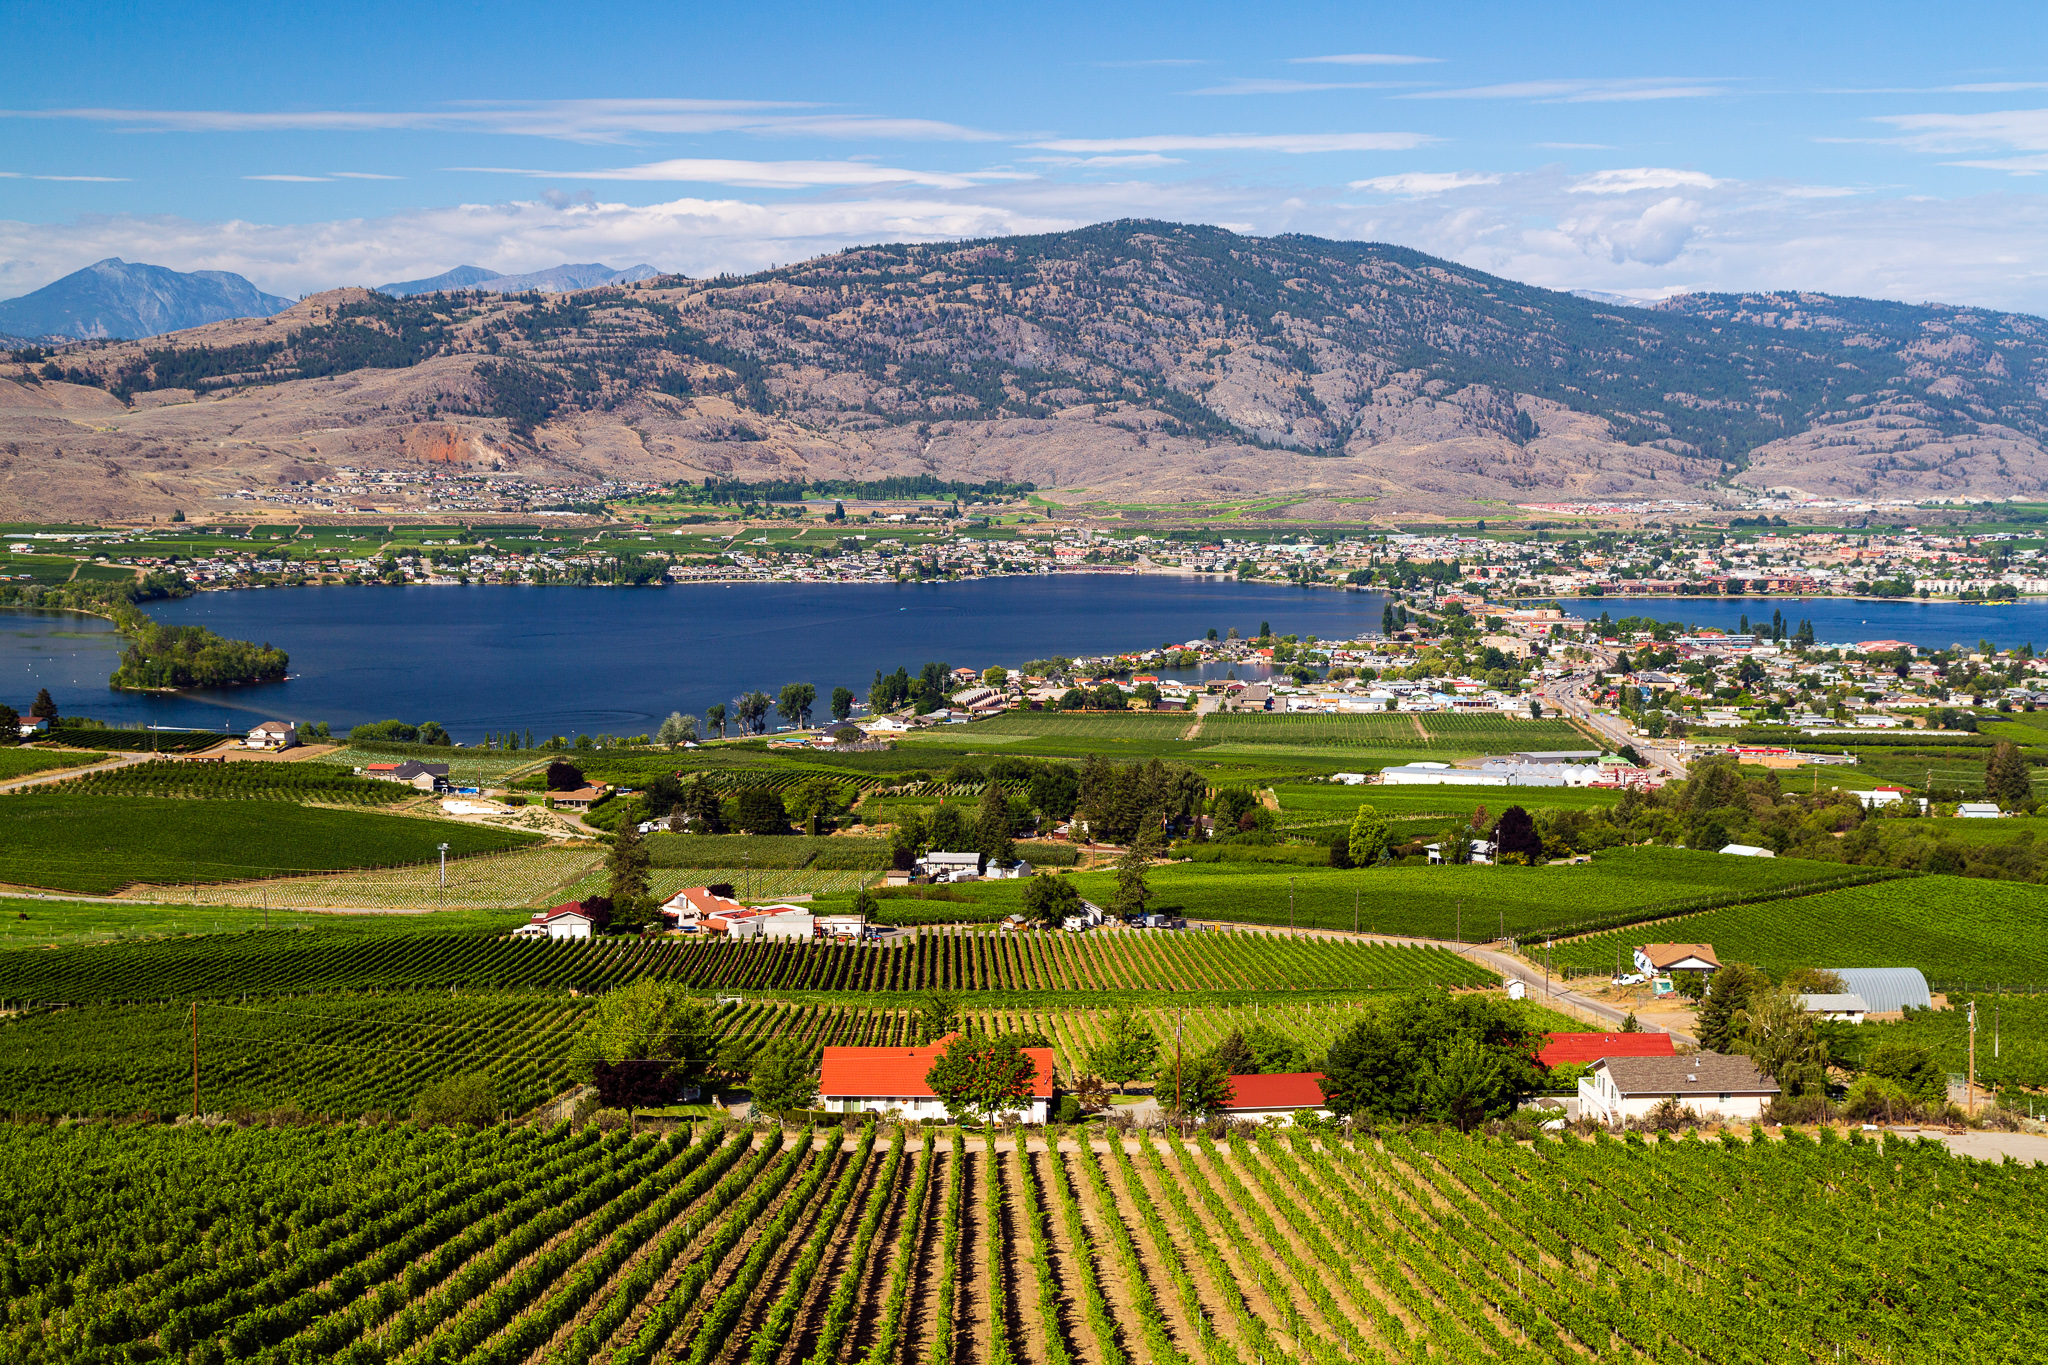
{"type": "Point", "coordinates": [164, 658]}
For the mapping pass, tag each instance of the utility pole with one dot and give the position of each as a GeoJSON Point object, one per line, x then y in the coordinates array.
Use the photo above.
{"type": "Point", "coordinates": [1458, 930]}
{"type": "Point", "coordinates": [1970, 1085]}
{"type": "Point", "coordinates": [444, 864]}
{"type": "Point", "coordinates": [195, 1061]}
{"type": "Point", "coordinates": [1290, 905]}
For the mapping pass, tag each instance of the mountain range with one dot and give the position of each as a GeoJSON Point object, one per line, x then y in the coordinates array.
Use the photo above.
{"type": "Point", "coordinates": [113, 298]}
{"type": "Point", "coordinates": [560, 279]}
{"type": "Point", "coordinates": [1133, 362]}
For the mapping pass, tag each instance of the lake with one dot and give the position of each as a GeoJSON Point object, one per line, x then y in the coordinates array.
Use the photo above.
{"type": "Point", "coordinates": [1842, 620]}
{"type": "Point", "coordinates": [616, 660]}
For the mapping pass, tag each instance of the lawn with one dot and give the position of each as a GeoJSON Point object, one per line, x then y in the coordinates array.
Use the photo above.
{"type": "Point", "coordinates": [1955, 929]}
{"type": "Point", "coordinates": [97, 845]}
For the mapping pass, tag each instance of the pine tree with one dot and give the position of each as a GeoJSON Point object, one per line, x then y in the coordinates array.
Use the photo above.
{"type": "Point", "coordinates": [1368, 839]}
{"type": "Point", "coordinates": [2007, 778]}
{"type": "Point", "coordinates": [628, 865]}
{"type": "Point", "coordinates": [1729, 994]}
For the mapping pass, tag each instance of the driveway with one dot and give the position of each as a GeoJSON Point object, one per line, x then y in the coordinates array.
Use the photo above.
{"type": "Point", "coordinates": [66, 774]}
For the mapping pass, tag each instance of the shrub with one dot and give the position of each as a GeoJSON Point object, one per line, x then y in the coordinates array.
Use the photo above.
{"type": "Point", "coordinates": [459, 1099]}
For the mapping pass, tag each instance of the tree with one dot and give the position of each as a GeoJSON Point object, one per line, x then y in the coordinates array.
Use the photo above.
{"type": "Point", "coordinates": [781, 1076]}
{"type": "Point", "coordinates": [2007, 778]}
{"type": "Point", "coordinates": [1728, 995]}
{"type": "Point", "coordinates": [564, 776]}
{"type": "Point", "coordinates": [457, 1099]}
{"type": "Point", "coordinates": [1784, 1041]}
{"type": "Point", "coordinates": [699, 805]}
{"type": "Point", "coordinates": [995, 675]}
{"type": "Point", "coordinates": [714, 718]}
{"type": "Point", "coordinates": [1131, 891]}
{"type": "Point", "coordinates": [1191, 1085]}
{"type": "Point", "coordinates": [677, 729]}
{"type": "Point", "coordinates": [752, 710]}
{"type": "Point", "coordinates": [1454, 845]}
{"type": "Point", "coordinates": [1273, 1052]}
{"type": "Point", "coordinates": [642, 1039]}
{"type": "Point", "coordinates": [978, 1076]}
{"type": "Point", "coordinates": [1235, 1055]}
{"type": "Point", "coordinates": [992, 825]}
{"type": "Point", "coordinates": [796, 702]}
{"type": "Point", "coordinates": [1128, 1051]}
{"type": "Point", "coordinates": [946, 830]}
{"type": "Point", "coordinates": [10, 725]}
{"type": "Point", "coordinates": [1814, 981]}
{"type": "Point", "coordinates": [432, 732]}
{"type": "Point", "coordinates": [1913, 1069]}
{"type": "Point", "coordinates": [1054, 790]}
{"type": "Point", "coordinates": [1515, 834]}
{"type": "Point", "coordinates": [842, 702]}
{"type": "Point", "coordinates": [1367, 843]}
{"type": "Point", "coordinates": [43, 708]}
{"type": "Point", "coordinates": [1049, 899]}
{"type": "Point", "coordinates": [628, 864]}
{"type": "Point", "coordinates": [813, 801]}
{"type": "Point", "coordinates": [936, 1014]}
{"type": "Point", "coordinates": [1460, 1058]}
{"type": "Point", "coordinates": [760, 811]}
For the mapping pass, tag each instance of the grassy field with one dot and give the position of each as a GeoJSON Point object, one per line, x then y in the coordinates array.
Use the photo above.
{"type": "Point", "coordinates": [1439, 735]}
{"type": "Point", "coordinates": [1326, 800]}
{"type": "Point", "coordinates": [23, 762]}
{"type": "Point", "coordinates": [2012, 1039]}
{"type": "Point", "coordinates": [1954, 929]}
{"type": "Point", "coordinates": [744, 850]}
{"type": "Point", "coordinates": [97, 845]}
{"type": "Point", "coordinates": [1149, 725]}
{"type": "Point", "coordinates": [516, 878]}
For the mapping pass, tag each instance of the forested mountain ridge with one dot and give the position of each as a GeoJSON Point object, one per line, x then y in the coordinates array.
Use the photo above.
{"type": "Point", "coordinates": [1126, 361]}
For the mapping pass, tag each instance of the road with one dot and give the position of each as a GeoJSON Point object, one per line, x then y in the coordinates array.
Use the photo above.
{"type": "Point", "coordinates": [1568, 696]}
{"type": "Point", "coordinates": [66, 774]}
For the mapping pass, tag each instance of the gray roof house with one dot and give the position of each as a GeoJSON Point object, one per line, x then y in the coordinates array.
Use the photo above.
{"type": "Point", "coordinates": [1887, 990]}
{"type": "Point", "coordinates": [1708, 1083]}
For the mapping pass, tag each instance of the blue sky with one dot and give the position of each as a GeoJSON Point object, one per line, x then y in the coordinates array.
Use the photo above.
{"type": "Point", "coordinates": [1878, 149]}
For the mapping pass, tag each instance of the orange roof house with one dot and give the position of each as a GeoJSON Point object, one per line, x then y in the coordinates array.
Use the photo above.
{"type": "Point", "coordinates": [1565, 1049]}
{"type": "Point", "coordinates": [883, 1080]}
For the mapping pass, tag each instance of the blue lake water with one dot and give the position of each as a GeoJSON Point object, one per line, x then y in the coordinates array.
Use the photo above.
{"type": "Point", "coordinates": [1843, 620]}
{"type": "Point", "coordinates": [609, 660]}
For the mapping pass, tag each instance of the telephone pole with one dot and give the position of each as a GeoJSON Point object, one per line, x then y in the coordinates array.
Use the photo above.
{"type": "Point", "coordinates": [1290, 905]}
{"type": "Point", "coordinates": [1970, 1084]}
{"type": "Point", "coordinates": [195, 1061]}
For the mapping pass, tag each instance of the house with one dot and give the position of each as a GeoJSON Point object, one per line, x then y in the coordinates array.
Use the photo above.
{"type": "Point", "coordinates": [1567, 1049]}
{"type": "Point", "coordinates": [1747, 851]}
{"type": "Point", "coordinates": [1482, 853]}
{"type": "Point", "coordinates": [1708, 1083]}
{"type": "Point", "coordinates": [792, 923]}
{"type": "Point", "coordinates": [1091, 916]}
{"type": "Point", "coordinates": [707, 910]}
{"type": "Point", "coordinates": [997, 872]}
{"type": "Point", "coordinates": [583, 798]}
{"type": "Point", "coordinates": [570, 920]}
{"type": "Point", "coordinates": [1844, 1007]}
{"type": "Point", "coordinates": [690, 907]}
{"type": "Point", "coordinates": [890, 1080]}
{"type": "Point", "coordinates": [950, 867]}
{"type": "Point", "coordinates": [1661, 959]}
{"type": "Point", "coordinates": [272, 734]}
{"type": "Point", "coordinates": [1281, 1095]}
{"type": "Point", "coordinates": [1979, 810]}
{"type": "Point", "coordinates": [413, 773]}
{"type": "Point", "coordinates": [31, 726]}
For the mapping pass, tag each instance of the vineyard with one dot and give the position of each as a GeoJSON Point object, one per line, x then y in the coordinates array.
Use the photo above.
{"type": "Point", "coordinates": [221, 966]}
{"type": "Point", "coordinates": [2012, 1039]}
{"type": "Point", "coordinates": [131, 741]}
{"type": "Point", "coordinates": [67, 842]}
{"type": "Point", "coordinates": [519, 878]}
{"type": "Point", "coordinates": [1306, 801]}
{"type": "Point", "coordinates": [1113, 725]}
{"type": "Point", "coordinates": [1960, 931]}
{"type": "Point", "coordinates": [888, 1247]}
{"type": "Point", "coordinates": [466, 767]}
{"type": "Point", "coordinates": [23, 762]}
{"type": "Point", "coordinates": [1450, 732]}
{"type": "Point", "coordinates": [239, 782]}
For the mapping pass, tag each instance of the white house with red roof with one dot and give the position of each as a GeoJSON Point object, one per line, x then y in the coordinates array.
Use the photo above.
{"type": "Point", "coordinates": [698, 909]}
{"type": "Point", "coordinates": [1280, 1095]}
{"type": "Point", "coordinates": [890, 1080]}
{"type": "Point", "coordinates": [1567, 1049]}
{"type": "Point", "coordinates": [568, 920]}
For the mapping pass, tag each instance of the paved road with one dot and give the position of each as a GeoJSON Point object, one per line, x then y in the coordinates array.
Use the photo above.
{"type": "Point", "coordinates": [1567, 695]}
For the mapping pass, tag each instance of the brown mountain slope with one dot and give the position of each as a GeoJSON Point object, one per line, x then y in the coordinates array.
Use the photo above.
{"type": "Point", "coordinates": [1127, 361]}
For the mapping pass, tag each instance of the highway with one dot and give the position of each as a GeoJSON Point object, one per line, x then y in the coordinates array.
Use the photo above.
{"type": "Point", "coordinates": [1567, 695]}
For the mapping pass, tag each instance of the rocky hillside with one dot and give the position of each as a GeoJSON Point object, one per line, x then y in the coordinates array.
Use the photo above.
{"type": "Point", "coordinates": [1131, 361]}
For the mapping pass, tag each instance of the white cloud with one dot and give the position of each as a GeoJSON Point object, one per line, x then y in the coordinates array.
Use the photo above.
{"type": "Point", "coordinates": [769, 175]}
{"type": "Point", "coordinates": [1364, 59]}
{"type": "Point", "coordinates": [1298, 143]}
{"type": "Point", "coordinates": [68, 179]}
{"type": "Point", "coordinates": [1581, 91]}
{"type": "Point", "coordinates": [364, 175]}
{"type": "Point", "coordinates": [1640, 178]}
{"type": "Point", "coordinates": [1418, 183]}
{"type": "Point", "coordinates": [2020, 130]}
{"type": "Point", "coordinates": [1250, 86]}
{"type": "Point", "coordinates": [294, 179]}
{"type": "Point", "coordinates": [595, 121]}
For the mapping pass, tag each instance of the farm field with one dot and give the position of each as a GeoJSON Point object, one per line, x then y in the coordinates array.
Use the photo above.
{"type": "Point", "coordinates": [1139, 725]}
{"type": "Point", "coordinates": [791, 851]}
{"type": "Point", "coordinates": [1324, 801]}
{"type": "Point", "coordinates": [155, 741]}
{"type": "Point", "coordinates": [96, 845]}
{"type": "Point", "coordinates": [25, 762]}
{"type": "Point", "coordinates": [316, 782]}
{"type": "Point", "coordinates": [219, 966]}
{"type": "Point", "coordinates": [510, 879]}
{"type": "Point", "coordinates": [713, 1246]}
{"type": "Point", "coordinates": [1440, 735]}
{"type": "Point", "coordinates": [1957, 930]}
{"type": "Point", "coordinates": [466, 767]}
{"type": "Point", "coordinates": [2012, 1038]}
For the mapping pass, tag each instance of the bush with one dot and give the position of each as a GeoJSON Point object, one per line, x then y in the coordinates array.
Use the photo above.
{"type": "Point", "coordinates": [458, 1099]}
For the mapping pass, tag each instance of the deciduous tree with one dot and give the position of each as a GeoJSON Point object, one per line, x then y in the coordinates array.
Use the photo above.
{"type": "Point", "coordinates": [1368, 841]}
{"type": "Point", "coordinates": [1128, 1051]}
{"type": "Point", "coordinates": [781, 1076]}
{"type": "Point", "coordinates": [977, 1076]}
{"type": "Point", "coordinates": [1049, 899]}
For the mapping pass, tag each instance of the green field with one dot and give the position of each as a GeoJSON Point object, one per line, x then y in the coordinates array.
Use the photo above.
{"type": "Point", "coordinates": [23, 762]}
{"type": "Point", "coordinates": [244, 781]}
{"type": "Point", "coordinates": [1330, 800]}
{"type": "Point", "coordinates": [466, 767]}
{"type": "Point", "coordinates": [95, 845]}
{"type": "Point", "coordinates": [745, 850]}
{"type": "Point", "coordinates": [2012, 1040]}
{"type": "Point", "coordinates": [1149, 725]}
{"type": "Point", "coordinates": [1444, 735]}
{"type": "Point", "coordinates": [1954, 929]}
{"type": "Point", "coordinates": [44, 924]}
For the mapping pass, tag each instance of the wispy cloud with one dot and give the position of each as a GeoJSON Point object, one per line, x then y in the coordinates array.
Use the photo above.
{"type": "Point", "coordinates": [766, 175]}
{"type": "Point", "coordinates": [1637, 178]}
{"type": "Point", "coordinates": [1416, 184]}
{"type": "Point", "coordinates": [294, 179]}
{"type": "Point", "coordinates": [1254, 86]}
{"type": "Point", "coordinates": [1584, 91]}
{"type": "Point", "coordinates": [1156, 61]}
{"type": "Point", "coordinates": [1364, 59]}
{"type": "Point", "coordinates": [1291, 143]}
{"type": "Point", "coordinates": [363, 175]}
{"type": "Point", "coordinates": [2018, 130]}
{"type": "Point", "coordinates": [1138, 161]}
{"type": "Point", "coordinates": [595, 121]}
{"type": "Point", "coordinates": [70, 179]}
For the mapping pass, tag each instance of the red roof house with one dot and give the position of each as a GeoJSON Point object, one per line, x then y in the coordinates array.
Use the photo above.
{"type": "Point", "coordinates": [1564, 1049]}
{"type": "Point", "coordinates": [1282, 1094]}
{"type": "Point", "coordinates": [567, 920]}
{"type": "Point", "coordinates": [880, 1080]}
